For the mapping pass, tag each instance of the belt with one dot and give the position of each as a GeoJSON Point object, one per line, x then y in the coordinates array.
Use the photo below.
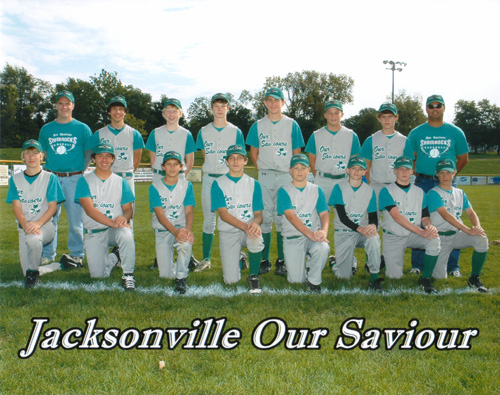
{"type": "Point", "coordinates": [125, 174]}
{"type": "Point", "coordinates": [292, 237]}
{"type": "Point", "coordinates": [66, 174]}
{"type": "Point", "coordinates": [426, 176]}
{"type": "Point", "coordinates": [449, 233]}
{"type": "Point", "coordinates": [92, 231]}
{"type": "Point", "coordinates": [214, 175]}
{"type": "Point", "coordinates": [332, 176]}
{"type": "Point", "coordinates": [344, 230]}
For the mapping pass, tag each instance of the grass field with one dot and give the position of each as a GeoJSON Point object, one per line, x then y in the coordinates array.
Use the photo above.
{"type": "Point", "coordinates": [69, 299]}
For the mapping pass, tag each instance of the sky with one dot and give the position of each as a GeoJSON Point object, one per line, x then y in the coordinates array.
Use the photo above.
{"type": "Point", "coordinates": [187, 49]}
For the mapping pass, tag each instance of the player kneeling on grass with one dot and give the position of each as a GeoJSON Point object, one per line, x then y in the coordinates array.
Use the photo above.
{"type": "Point", "coordinates": [446, 204]}
{"type": "Point", "coordinates": [356, 223]}
{"type": "Point", "coordinates": [34, 194]}
{"type": "Point", "coordinates": [171, 200]}
{"type": "Point", "coordinates": [305, 224]}
{"type": "Point", "coordinates": [107, 199]}
{"type": "Point", "coordinates": [237, 198]}
{"type": "Point", "coordinates": [405, 211]}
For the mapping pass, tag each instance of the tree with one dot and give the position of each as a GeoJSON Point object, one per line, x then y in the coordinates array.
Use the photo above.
{"type": "Point", "coordinates": [364, 124]}
{"type": "Point", "coordinates": [409, 110]}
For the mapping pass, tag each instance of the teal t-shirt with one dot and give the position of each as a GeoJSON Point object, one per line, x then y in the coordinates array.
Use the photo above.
{"type": "Point", "coordinates": [284, 202]}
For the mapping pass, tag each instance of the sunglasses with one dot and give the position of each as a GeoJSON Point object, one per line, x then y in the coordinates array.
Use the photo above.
{"type": "Point", "coordinates": [431, 106]}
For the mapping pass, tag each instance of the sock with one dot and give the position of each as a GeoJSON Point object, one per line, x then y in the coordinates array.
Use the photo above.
{"type": "Point", "coordinates": [428, 265]}
{"type": "Point", "coordinates": [279, 242]}
{"type": "Point", "coordinates": [373, 277]}
{"type": "Point", "coordinates": [208, 240]}
{"type": "Point", "coordinates": [266, 253]}
{"type": "Point", "coordinates": [254, 259]}
{"type": "Point", "coordinates": [478, 259]}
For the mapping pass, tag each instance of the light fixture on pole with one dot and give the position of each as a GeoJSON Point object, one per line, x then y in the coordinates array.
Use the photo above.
{"type": "Point", "coordinates": [394, 67]}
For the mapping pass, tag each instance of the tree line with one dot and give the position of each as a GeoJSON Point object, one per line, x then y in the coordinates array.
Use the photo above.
{"type": "Point", "coordinates": [27, 104]}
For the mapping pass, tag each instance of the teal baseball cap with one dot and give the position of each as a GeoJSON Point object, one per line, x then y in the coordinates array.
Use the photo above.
{"type": "Point", "coordinates": [388, 107]}
{"type": "Point", "coordinates": [299, 159]}
{"type": "Point", "coordinates": [235, 149]}
{"type": "Point", "coordinates": [446, 164]}
{"type": "Point", "coordinates": [219, 96]}
{"type": "Point", "coordinates": [173, 102]}
{"type": "Point", "coordinates": [32, 144]}
{"type": "Point", "coordinates": [435, 98]}
{"type": "Point", "coordinates": [357, 161]}
{"type": "Point", "coordinates": [403, 161]}
{"type": "Point", "coordinates": [334, 104]}
{"type": "Point", "coordinates": [103, 148]}
{"type": "Point", "coordinates": [172, 155]}
{"type": "Point", "coordinates": [275, 93]}
{"type": "Point", "coordinates": [117, 100]}
{"type": "Point", "coordinates": [66, 94]}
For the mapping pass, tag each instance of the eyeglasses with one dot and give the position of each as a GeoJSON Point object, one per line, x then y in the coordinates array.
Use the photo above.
{"type": "Point", "coordinates": [431, 106]}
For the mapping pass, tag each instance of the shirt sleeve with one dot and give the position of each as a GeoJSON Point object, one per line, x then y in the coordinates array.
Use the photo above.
{"type": "Point", "coordinates": [190, 145]}
{"type": "Point", "coordinates": [367, 149]}
{"type": "Point", "coordinates": [138, 141]}
{"type": "Point", "coordinates": [385, 199]}
{"type": "Point", "coordinates": [54, 190]}
{"type": "Point", "coordinates": [466, 203]}
{"type": "Point", "coordinates": [199, 141]}
{"type": "Point", "coordinates": [311, 145]}
{"type": "Point", "coordinates": [297, 138]}
{"type": "Point", "coordinates": [82, 190]}
{"type": "Point", "coordinates": [189, 199]}
{"type": "Point", "coordinates": [336, 196]}
{"type": "Point", "coordinates": [151, 143]}
{"type": "Point", "coordinates": [257, 202]}
{"type": "Point", "coordinates": [127, 195]}
{"type": "Point", "coordinates": [240, 139]}
{"type": "Point", "coordinates": [372, 206]}
{"type": "Point", "coordinates": [408, 150]}
{"type": "Point", "coordinates": [355, 147]}
{"type": "Point", "coordinates": [88, 140]}
{"type": "Point", "coordinates": [461, 146]}
{"type": "Point", "coordinates": [12, 192]}
{"type": "Point", "coordinates": [321, 205]}
{"type": "Point", "coordinates": [154, 198]}
{"type": "Point", "coordinates": [218, 200]}
{"type": "Point", "coordinates": [95, 139]}
{"type": "Point", "coordinates": [435, 201]}
{"type": "Point", "coordinates": [253, 138]}
{"type": "Point", "coordinates": [283, 201]}
{"type": "Point", "coordinates": [42, 139]}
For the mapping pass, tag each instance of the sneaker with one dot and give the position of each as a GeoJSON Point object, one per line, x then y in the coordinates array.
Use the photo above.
{"type": "Point", "coordinates": [427, 285]}
{"type": "Point", "coordinates": [243, 261]}
{"type": "Point", "coordinates": [128, 282]}
{"type": "Point", "coordinates": [254, 284]}
{"type": "Point", "coordinates": [455, 273]}
{"type": "Point", "coordinates": [375, 285]}
{"type": "Point", "coordinates": [475, 282]}
{"type": "Point", "coordinates": [332, 260]}
{"type": "Point", "coordinates": [70, 262]}
{"type": "Point", "coordinates": [280, 268]}
{"type": "Point", "coordinates": [193, 263]}
{"type": "Point", "coordinates": [313, 288]}
{"type": "Point", "coordinates": [205, 264]}
{"type": "Point", "coordinates": [265, 267]}
{"type": "Point", "coordinates": [32, 278]}
{"type": "Point", "coordinates": [45, 261]}
{"type": "Point", "coordinates": [181, 285]}
{"type": "Point", "coordinates": [155, 265]}
{"type": "Point", "coordinates": [414, 270]}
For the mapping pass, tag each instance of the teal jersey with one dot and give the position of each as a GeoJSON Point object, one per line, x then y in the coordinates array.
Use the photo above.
{"type": "Point", "coordinates": [386, 200]}
{"type": "Point", "coordinates": [311, 143]}
{"type": "Point", "coordinates": [297, 138]}
{"type": "Point", "coordinates": [219, 201]}
{"type": "Point", "coordinates": [155, 200]}
{"type": "Point", "coordinates": [435, 201]}
{"type": "Point", "coordinates": [367, 151]}
{"type": "Point", "coordinates": [83, 191]}
{"type": "Point", "coordinates": [337, 198]}
{"type": "Point", "coordinates": [189, 148]}
{"type": "Point", "coordinates": [54, 191]}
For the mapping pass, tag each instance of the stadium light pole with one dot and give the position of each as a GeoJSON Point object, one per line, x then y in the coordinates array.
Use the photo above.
{"type": "Point", "coordinates": [394, 67]}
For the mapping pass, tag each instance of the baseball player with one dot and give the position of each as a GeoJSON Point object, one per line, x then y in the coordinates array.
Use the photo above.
{"type": "Point", "coordinates": [431, 142]}
{"type": "Point", "coordinates": [273, 140]}
{"type": "Point", "coordinates": [213, 141]}
{"type": "Point", "coordinates": [446, 205]}
{"type": "Point", "coordinates": [67, 145]}
{"type": "Point", "coordinates": [238, 200]}
{"type": "Point", "coordinates": [356, 223]}
{"type": "Point", "coordinates": [406, 224]}
{"type": "Point", "coordinates": [305, 226]}
{"type": "Point", "coordinates": [34, 195]}
{"type": "Point", "coordinates": [107, 199]}
{"type": "Point", "coordinates": [171, 200]}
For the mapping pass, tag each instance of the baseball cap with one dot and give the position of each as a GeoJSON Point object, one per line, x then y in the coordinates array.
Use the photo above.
{"type": "Point", "coordinates": [66, 94]}
{"type": "Point", "coordinates": [333, 104]}
{"type": "Point", "coordinates": [434, 98]}
{"type": "Point", "coordinates": [357, 161]}
{"type": "Point", "coordinates": [103, 148]}
{"type": "Point", "coordinates": [32, 143]}
{"type": "Point", "coordinates": [171, 155]}
{"type": "Point", "coordinates": [235, 149]}
{"type": "Point", "coordinates": [275, 93]}
{"type": "Point", "coordinates": [219, 96]}
{"type": "Point", "coordinates": [446, 164]}
{"type": "Point", "coordinates": [119, 100]}
{"type": "Point", "coordinates": [299, 159]}
{"type": "Point", "coordinates": [388, 107]}
{"type": "Point", "coordinates": [403, 161]}
{"type": "Point", "coordinates": [173, 102]}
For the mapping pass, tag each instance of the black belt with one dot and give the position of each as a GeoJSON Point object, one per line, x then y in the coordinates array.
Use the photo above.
{"type": "Point", "coordinates": [427, 177]}
{"type": "Point", "coordinates": [66, 174]}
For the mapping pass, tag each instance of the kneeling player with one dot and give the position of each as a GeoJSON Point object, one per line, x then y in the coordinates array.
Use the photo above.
{"type": "Point", "coordinates": [238, 201]}
{"type": "Point", "coordinates": [107, 199]}
{"type": "Point", "coordinates": [305, 224]}
{"type": "Point", "coordinates": [171, 200]}
{"type": "Point", "coordinates": [405, 211]}
{"type": "Point", "coordinates": [356, 223]}
{"type": "Point", "coordinates": [446, 204]}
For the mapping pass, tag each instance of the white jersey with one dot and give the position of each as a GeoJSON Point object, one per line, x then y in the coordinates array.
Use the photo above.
{"type": "Point", "coordinates": [33, 197]}
{"type": "Point", "coordinates": [304, 203]}
{"type": "Point", "coordinates": [355, 204]}
{"type": "Point", "coordinates": [172, 203]}
{"type": "Point", "coordinates": [215, 145]}
{"type": "Point", "coordinates": [239, 200]}
{"type": "Point", "coordinates": [454, 203]}
{"type": "Point", "coordinates": [169, 141]}
{"type": "Point", "coordinates": [384, 152]}
{"type": "Point", "coordinates": [409, 205]}
{"type": "Point", "coordinates": [123, 146]}
{"type": "Point", "coordinates": [275, 144]}
{"type": "Point", "coordinates": [333, 150]}
{"type": "Point", "coordinates": [106, 197]}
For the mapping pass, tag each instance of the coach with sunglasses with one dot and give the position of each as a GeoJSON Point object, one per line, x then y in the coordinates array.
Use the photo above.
{"type": "Point", "coordinates": [433, 141]}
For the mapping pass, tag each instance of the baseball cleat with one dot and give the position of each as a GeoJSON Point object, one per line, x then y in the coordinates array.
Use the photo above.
{"type": "Point", "coordinates": [243, 261]}
{"type": "Point", "coordinates": [415, 271]}
{"type": "Point", "coordinates": [205, 264]}
{"type": "Point", "coordinates": [70, 262]}
{"type": "Point", "coordinates": [32, 278]}
{"type": "Point", "coordinates": [427, 285]}
{"type": "Point", "coordinates": [332, 260]}
{"type": "Point", "coordinates": [254, 284]}
{"type": "Point", "coordinates": [265, 267]}
{"type": "Point", "coordinates": [128, 282]}
{"type": "Point", "coordinates": [313, 288]}
{"type": "Point", "coordinates": [475, 282]}
{"type": "Point", "coordinates": [181, 285]}
{"type": "Point", "coordinates": [280, 268]}
{"type": "Point", "coordinates": [193, 263]}
{"type": "Point", "coordinates": [375, 285]}
{"type": "Point", "coordinates": [455, 273]}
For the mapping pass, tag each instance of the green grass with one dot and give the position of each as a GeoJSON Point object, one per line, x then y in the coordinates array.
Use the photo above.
{"type": "Point", "coordinates": [245, 369]}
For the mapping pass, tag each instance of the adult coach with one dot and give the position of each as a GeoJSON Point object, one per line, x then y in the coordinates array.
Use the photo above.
{"type": "Point", "coordinates": [67, 145]}
{"type": "Point", "coordinates": [273, 140]}
{"type": "Point", "coordinates": [432, 142]}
